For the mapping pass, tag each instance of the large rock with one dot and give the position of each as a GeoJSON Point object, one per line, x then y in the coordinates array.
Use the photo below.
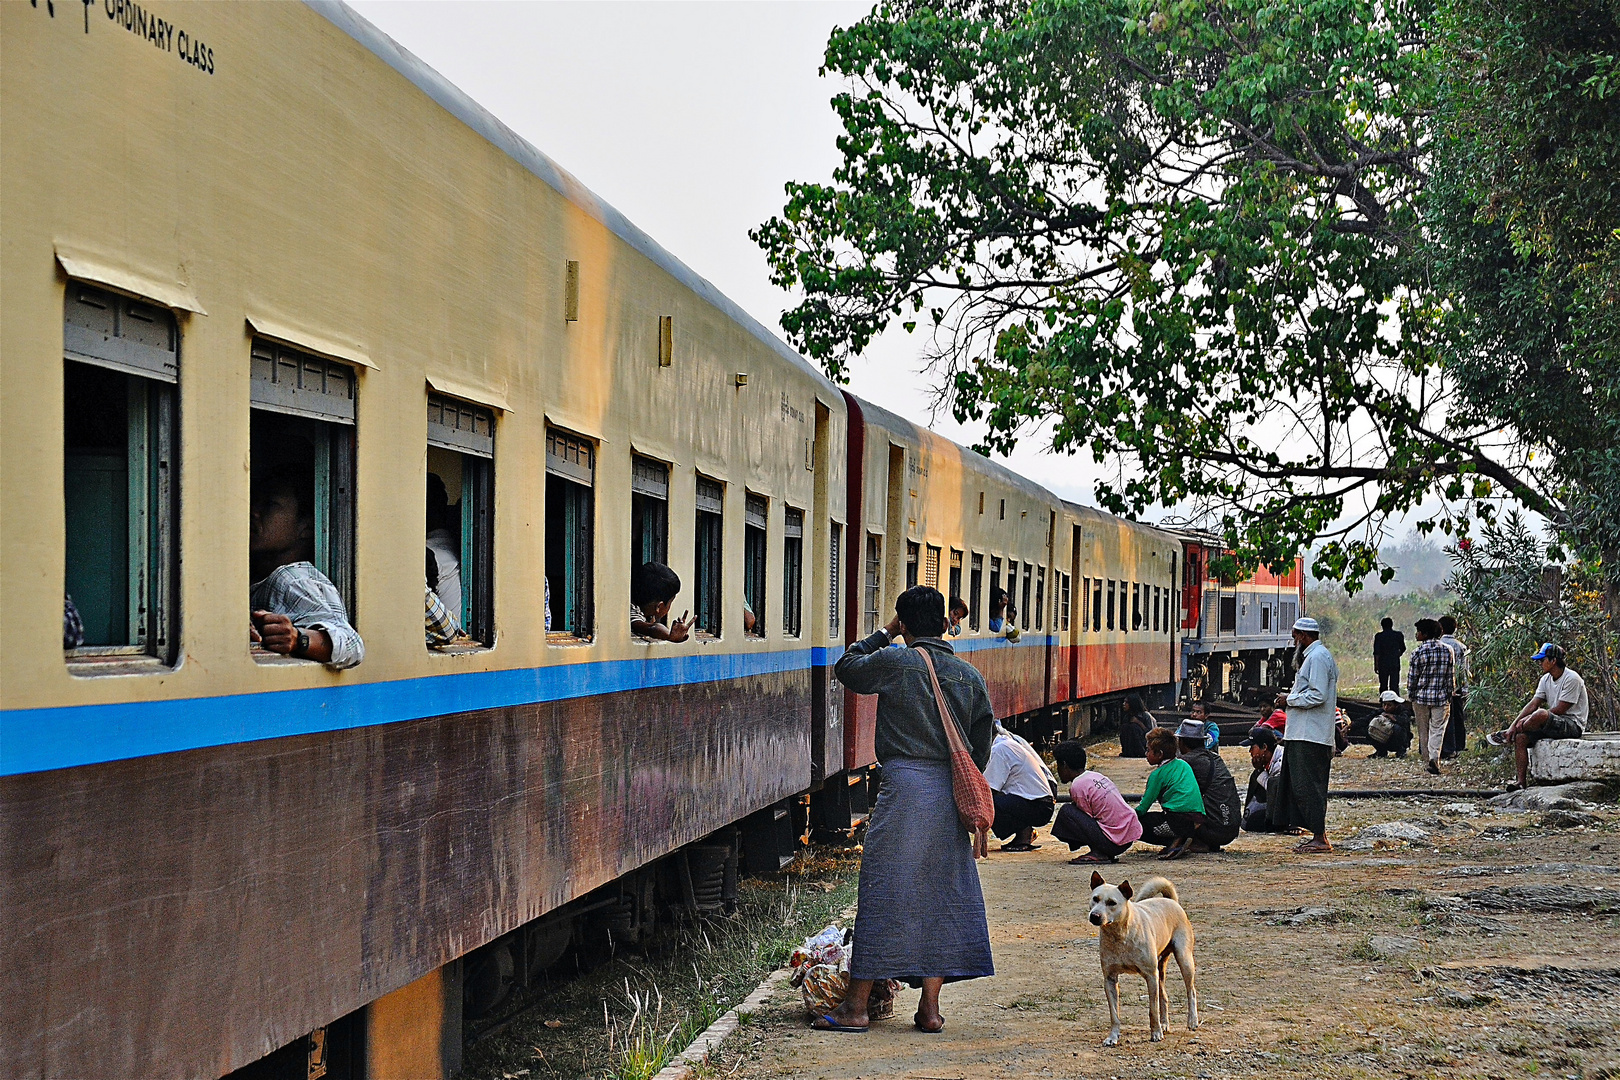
{"type": "Point", "coordinates": [1556, 797]}
{"type": "Point", "coordinates": [1594, 757]}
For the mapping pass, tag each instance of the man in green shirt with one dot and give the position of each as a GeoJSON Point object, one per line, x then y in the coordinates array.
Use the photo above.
{"type": "Point", "coordinates": [1173, 786]}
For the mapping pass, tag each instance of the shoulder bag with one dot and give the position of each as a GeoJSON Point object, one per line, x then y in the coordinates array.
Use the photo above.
{"type": "Point", "coordinates": [974, 803]}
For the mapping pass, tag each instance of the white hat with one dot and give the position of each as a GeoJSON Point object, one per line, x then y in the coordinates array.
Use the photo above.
{"type": "Point", "coordinates": [1307, 624]}
{"type": "Point", "coordinates": [1389, 695]}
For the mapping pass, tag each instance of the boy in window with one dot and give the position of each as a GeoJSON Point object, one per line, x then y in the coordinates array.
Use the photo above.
{"type": "Point", "coordinates": [653, 587]}
{"type": "Point", "coordinates": [296, 610]}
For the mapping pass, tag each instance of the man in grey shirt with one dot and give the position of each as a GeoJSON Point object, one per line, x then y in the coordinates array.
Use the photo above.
{"type": "Point", "coordinates": [1308, 741]}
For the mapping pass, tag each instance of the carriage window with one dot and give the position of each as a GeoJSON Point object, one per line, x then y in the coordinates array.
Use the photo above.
{"type": "Point", "coordinates": [930, 576]}
{"type": "Point", "coordinates": [707, 569]}
{"type": "Point", "coordinates": [873, 585]}
{"type": "Point", "coordinates": [792, 569]}
{"type": "Point", "coordinates": [1024, 608]}
{"type": "Point", "coordinates": [835, 547]}
{"type": "Point", "coordinates": [995, 587]}
{"type": "Point", "coordinates": [1097, 605]}
{"type": "Point", "coordinates": [1110, 603]}
{"type": "Point", "coordinates": [756, 509]}
{"type": "Point", "coordinates": [1265, 617]}
{"type": "Point", "coordinates": [121, 363]}
{"type": "Point", "coordinates": [912, 549]}
{"type": "Point", "coordinates": [1228, 614]}
{"type": "Point", "coordinates": [1085, 604]}
{"type": "Point", "coordinates": [975, 591]}
{"type": "Point", "coordinates": [1063, 604]}
{"type": "Point", "coordinates": [955, 581]}
{"type": "Point", "coordinates": [461, 514]}
{"type": "Point", "coordinates": [301, 427]}
{"type": "Point", "coordinates": [649, 511]}
{"type": "Point", "coordinates": [1040, 597]}
{"type": "Point", "coordinates": [1136, 606]}
{"type": "Point", "coordinates": [571, 534]}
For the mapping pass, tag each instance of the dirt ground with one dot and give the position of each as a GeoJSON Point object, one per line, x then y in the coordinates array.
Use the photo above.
{"type": "Point", "coordinates": [1434, 957]}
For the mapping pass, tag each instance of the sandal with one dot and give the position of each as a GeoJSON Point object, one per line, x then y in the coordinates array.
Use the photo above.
{"type": "Point", "coordinates": [1019, 847]}
{"type": "Point", "coordinates": [825, 1022]}
{"type": "Point", "coordinates": [1090, 859]}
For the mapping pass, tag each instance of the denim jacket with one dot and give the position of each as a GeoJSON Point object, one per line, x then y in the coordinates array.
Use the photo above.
{"type": "Point", "coordinates": [907, 717]}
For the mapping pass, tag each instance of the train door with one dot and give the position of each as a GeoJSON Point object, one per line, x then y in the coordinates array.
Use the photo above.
{"type": "Point", "coordinates": [1075, 625]}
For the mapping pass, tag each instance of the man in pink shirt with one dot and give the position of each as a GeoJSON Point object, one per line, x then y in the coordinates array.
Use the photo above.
{"type": "Point", "coordinates": [1097, 816]}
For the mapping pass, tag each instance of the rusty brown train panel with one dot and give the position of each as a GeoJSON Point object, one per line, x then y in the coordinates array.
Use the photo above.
{"type": "Point", "coordinates": [185, 914]}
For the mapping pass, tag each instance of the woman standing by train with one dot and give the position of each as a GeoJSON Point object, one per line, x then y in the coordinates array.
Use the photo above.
{"type": "Point", "coordinates": [921, 912]}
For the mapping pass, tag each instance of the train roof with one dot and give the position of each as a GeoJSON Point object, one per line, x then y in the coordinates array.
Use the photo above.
{"type": "Point", "coordinates": [460, 105]}
{"type": "Point", "coordinates": [883, 418]}
{"type": "Point", "coordinates": [1081, 510]}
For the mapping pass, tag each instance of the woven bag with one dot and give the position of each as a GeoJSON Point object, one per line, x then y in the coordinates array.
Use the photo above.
{"type": "Point", "coordinates": [974, 803]}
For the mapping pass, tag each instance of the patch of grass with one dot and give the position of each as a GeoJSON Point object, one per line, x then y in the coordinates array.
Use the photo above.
{"type": "Point", "coordinates": [628, 1018]}
{"type": "Point", "coordinates": [1363, 949]}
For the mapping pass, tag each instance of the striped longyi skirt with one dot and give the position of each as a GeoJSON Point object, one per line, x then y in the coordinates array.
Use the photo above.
{"type": "Point", "coordinates": [921, 911]}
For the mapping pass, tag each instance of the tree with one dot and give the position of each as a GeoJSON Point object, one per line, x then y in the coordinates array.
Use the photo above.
{"type": "Point", "coordinates": [1524, 211]}
{"type": "Point", "coordinates": [1189, 233]}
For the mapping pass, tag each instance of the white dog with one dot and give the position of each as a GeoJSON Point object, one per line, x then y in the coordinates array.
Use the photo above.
{"type": "Point", "coordinates": [1139, 936]}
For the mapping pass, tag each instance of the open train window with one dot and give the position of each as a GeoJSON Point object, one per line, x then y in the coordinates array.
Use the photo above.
{"type": "Point", "coordinates": [1085, 604]}
{"type": "Point", "coordinates": [301, 429]}
{"type": "Point", "coordinates": [1097, 605]}
{"type": "Point", "coordinates": [835, 550]}
{"type": "Point", "coordinates": [1024, 608]}
{"type": "Point", "coordinates": [120, 437]}
{"type": "Point", "coordinates": [995, 587]}
{"type": "Point", "coordinates": [1063, 603]}
{"type": "Point", "coordinates": [649, 511]}
{"type": "Point", "coordinates": [930, 576]}
{"type": "Point", "coordinates": [461, 513]}
{"type": "Point", "coordinates": [975, 597]}
{"type": "Point", "coordinates": [955, 581]}
{"type": "Point", "coordinates": [792, 570]}
{"type": "Point", "coordinates": [872, 587]}
{"type": "Point", "coordinates": [708, 566]}
{"type": "Point", "coordinates": [1136, 605]}
{"type": "Point", "coordinates": [1110, 603]}
{"type": "Point", "coordinates": [912, 550]}
{"type": "Point", "coordinates": [1040, 597]}
{"type": "Point", "coordinates": [571, 534]}
{"type": "Point", "coordinates": [1265, 618]}
{"type": "Point", "coordinates": [756, 511]}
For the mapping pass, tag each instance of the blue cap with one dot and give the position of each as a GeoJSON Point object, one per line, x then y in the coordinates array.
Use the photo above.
{"type": "Point", "coordinates": [1546, 647]}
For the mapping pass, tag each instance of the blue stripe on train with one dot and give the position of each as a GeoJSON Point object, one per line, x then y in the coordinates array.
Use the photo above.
{"type": "Point", "coordinates": [34, 740]}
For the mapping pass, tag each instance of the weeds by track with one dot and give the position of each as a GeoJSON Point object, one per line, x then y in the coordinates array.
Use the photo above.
{"type": "Point", "coordinates": [626, 1019]}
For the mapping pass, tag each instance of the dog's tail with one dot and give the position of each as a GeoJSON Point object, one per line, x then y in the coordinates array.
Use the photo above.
{"type": "Point", "coordinates": [1156, 886]}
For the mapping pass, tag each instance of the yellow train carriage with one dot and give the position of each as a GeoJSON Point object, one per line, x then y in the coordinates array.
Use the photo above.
{"type": "Point", "coordinates": [1125, 621]}
{"type": "Point", "coordinates": [243, 238]}
{"type": "Point", "coordinates": [927, 511]}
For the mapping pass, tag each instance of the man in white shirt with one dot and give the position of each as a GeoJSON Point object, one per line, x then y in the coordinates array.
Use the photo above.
{"type": "Point", "coordinates": [1302, 785]}
{"type": "Point", "coordinates": [1557, 710]}
{"type": "Point", "coordinates": [1021, 785]}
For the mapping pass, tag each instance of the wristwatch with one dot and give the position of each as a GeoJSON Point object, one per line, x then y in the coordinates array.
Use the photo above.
{"type": "Point", "coordinates": [301, 646]}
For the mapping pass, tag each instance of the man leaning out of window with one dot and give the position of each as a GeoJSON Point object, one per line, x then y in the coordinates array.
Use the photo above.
{"type": "Point", "coordinates": [296, 609]}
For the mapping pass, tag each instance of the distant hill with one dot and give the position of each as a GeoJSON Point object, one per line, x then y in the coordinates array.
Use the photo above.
{"type": "Point", "coordinates": [1420, 566]}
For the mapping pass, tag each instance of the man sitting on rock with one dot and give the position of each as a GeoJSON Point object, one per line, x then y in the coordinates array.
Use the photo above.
{"type": "Point", "coordinates": [1557, 710]}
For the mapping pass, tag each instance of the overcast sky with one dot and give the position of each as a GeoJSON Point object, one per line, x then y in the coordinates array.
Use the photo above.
{"type": "Point", "coordinates": [689, 118]}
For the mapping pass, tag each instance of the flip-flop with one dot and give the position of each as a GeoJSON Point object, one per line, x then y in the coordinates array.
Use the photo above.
{"type": "Point", "coordinates": [1088, 859]}
{"type": "Point", "coordinates": [928, 1031]}
{"type": "Point", "coordinates": [825, 1022]}
{"type": "Point", "coordinates": [1175, 853]}
{"type": "Point", "coordinates": [1019, 847]}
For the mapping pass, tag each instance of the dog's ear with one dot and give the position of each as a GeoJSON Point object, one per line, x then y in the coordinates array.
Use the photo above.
{"type": "Point", "coordinates": [1096, 878]}
{"type": "Point", "coordinates": [1125, 889]}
